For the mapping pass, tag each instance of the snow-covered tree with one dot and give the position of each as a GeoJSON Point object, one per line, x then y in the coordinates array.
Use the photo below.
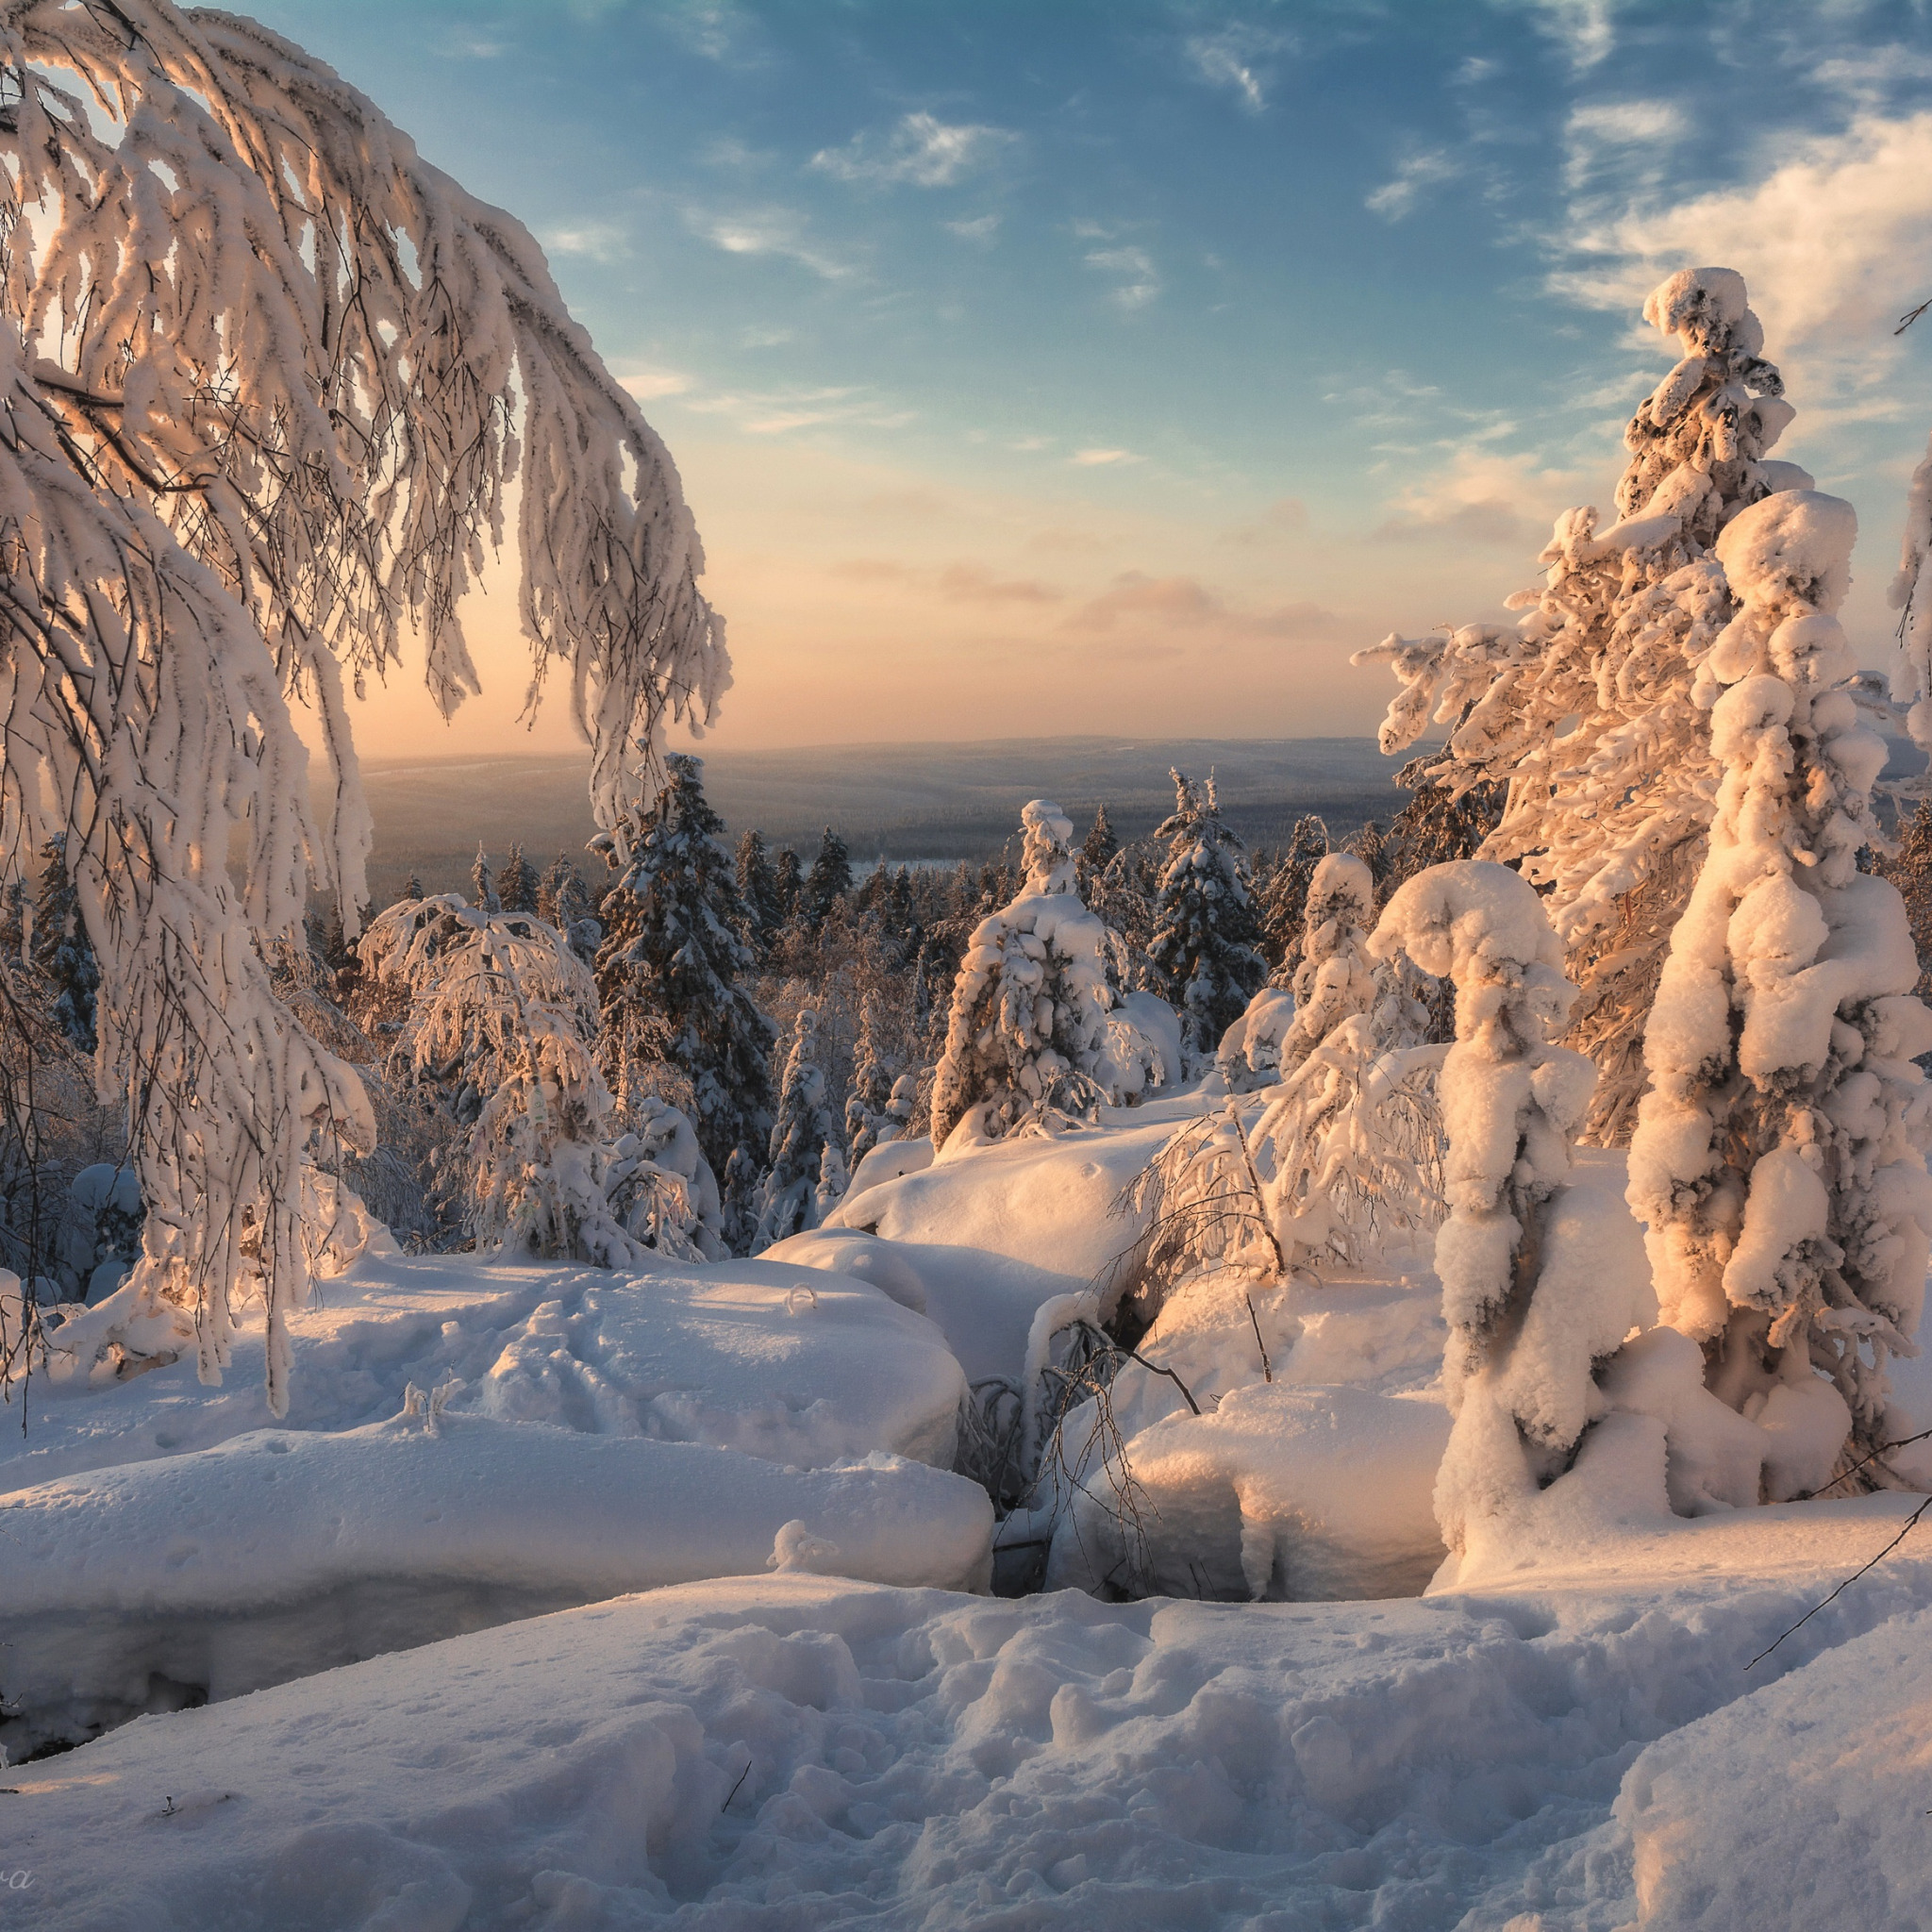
{"type": "Point", "coordinates": [503, 1017]}
{"type": "Point", "coordinates": [61, 947]}
{"type": "Point", "coordinates": [1779, 1158]}
{"type": "Point", "coordinates": [519, 886]}
{"type": "Point", "coordinates": [674, 951]}
{"type": "Point", "coordinates": [269, 375]}
{"type": "Point", "coordinates": [483, 892]}
{"type": "Point", "coordinates": [758, 886]}
{"type": "Point", "coordinates": [873, 1078]}
{"type": "Point", "coordinates": [1525, 1329]}
{"type": "Point", "coordinates": [412, 887]}
{"type": "Point", "coordinates": [1584, 709]}
{"type": "Point", "coordinates": [1282, 902]}
{"type": "Point", "coordinates": [828, 881]}
{"type": "Point", "coordinates": [788, 883]}
{"type": "Point", "coordinates": [1096, 852]}
{"type": "Point", "coordinates": [565, 901]}
{"type": "Point", "coordinates": [1201, 952]}
{"type": "Point", "coordinates": [1910, 868]}
{"type": "Point", "coordinates": [1336, 978]}
{"type": "Point", "coordinates": [1029, 1008]}
{"type": "Point", "coordinates": [788, 1201]}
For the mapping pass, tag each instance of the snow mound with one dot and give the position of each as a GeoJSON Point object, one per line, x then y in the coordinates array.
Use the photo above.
{"type": "Point", "coordinates": [281, 1554]}
{"type": "Point", "coordinates": [1280, 1493]}
{"type": "Point", "coordinates": [774, 1360]}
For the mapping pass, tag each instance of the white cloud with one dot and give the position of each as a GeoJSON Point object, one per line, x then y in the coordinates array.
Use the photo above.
{"type": "Point", "coordinates": [922, 150]}
{"type": "Point", "coordinates": [980, 228]}
{"type": "Point", "coordinates": [1230, 58]}
{"type": "Point", "coordinates": [647, 385]}
{"type": "Point", "coordinates": [1585, 30]}
{"type": "Point", "coordinates": [1829, 240]}
{"type": "Point", "coordinates": [1095, 458]}
{"type": "Point", "coordinates": [596, 241]}
{"type": "Point", "coordinates": [1394, 199]}
{"type": "Point", "coordinates": [1137, 281]}
{"type": "Point", "coordinates": [1604, 132]}
{"type": "Point", "coordinates": [767, 231]}
{"type": "Point", "coordinates": [776, 412]}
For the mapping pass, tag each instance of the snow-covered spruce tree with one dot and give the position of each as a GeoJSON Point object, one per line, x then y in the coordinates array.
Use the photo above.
{"type": "Point", "coordinates": [1529, 1314]}
{"type": "Point", "coordinates": [268, 377]}
{"type": "Point", "coordinates": [1096, 853]}
{"type": "Point", "coordinates": [788, 884]}
{"type": "Point", "coordinates": [1123, 900]}
{"type": "Point", "coordinates": [758, 886]}
{"type": "Point", "coordinates": [503, 1017]}
{"type": "Point", "coordinates": [563, 900]}
{"type": "Point", "coordinates": [1201, 953]}
{"type": "Point", "coordinates": [1779, 1158]}
{"type": "Point", "coordinates": [1910, 868]}
{"type": "Point", "coordinates": [412, 887]}
{"type": "Point", "coordinates": [1583, 708]}
{"type": "Point", "coordinates": [828, 881]}
{"type": "Point", "coordinates": [519, 886]}
{"type": "Point", "coordinates": [62, 950]}
{"type": "Point", "coordinates": [673, 950]}
{"type": "Point", "coordinates": [1282, 902]}
{"type": "Point", "coordinates": [788, 1201]}
{"type": "Point", "coordinates": [1336, 978]}
{"type": "Point", "coordinates": [1029, 1006]}
{"type": "Point", "coordinates": [873, 1076]}
{"type": "Point", "coordinates": [483, 893]}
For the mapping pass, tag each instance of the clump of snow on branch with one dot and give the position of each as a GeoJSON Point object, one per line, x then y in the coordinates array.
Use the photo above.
{"type": "Point", "coordinates": [267, 376]}
{"type": "Point", "coordinates": [1027, 1027]}
{"type": "Point", "coordinates": [1583, 708]}
{"type": "Point", "coordinates": [1779, 1160]}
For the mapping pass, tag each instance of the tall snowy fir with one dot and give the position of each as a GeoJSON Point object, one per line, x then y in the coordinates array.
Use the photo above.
{"type": "Point", "coordinates": [1336, 977]}
{"type": "Point", "coordinates": [518, 885]}
{"type": "Point", "coordinates": [787, 1199]}
{"type": "Point", "coordinates": [1096, 852]}
{"type": "Point", "coordinates": [1584, 709]}
{"type": "Point", "coordinates": [483, 894]}
{"type": "Point", "coordinates": [1026, 1029]}
{"type": "Point", "coordinates": [1282, 901]}
{"type": "Point", "coordinates": [1779, 1158]}
{"type": "Point", "coordinates": [61, 949]}
{"type": "Point", "coordinates": [674, 952]}
{"type": "Point", "coordinates": [873, 1076]}
{"type": "Point", "coordinates": [829, 880]}
{"type": "Point", "coordinates": [1201, 952]}
{"type": "Point", "coordinates": [1910, 868]}
{"type": "Point", "coordinates": [758, 887]}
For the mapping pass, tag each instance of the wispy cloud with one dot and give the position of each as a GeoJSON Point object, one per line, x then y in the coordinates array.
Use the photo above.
{"type": "Point", "coordinates": [1184, 603]}
{"type": "Point", "coordinates": [775, 413]}
{"type": "Point", "coordinates": [1137, 281]}
{"type": "Point", "coordinates": [1277, 521]}
{"type": "Point", "coordinates": [595, 241]}
{"type": "Point", "coordinates": [922, 152]}
{"type": "Point", "coordinates": [1397, 198]}
{"type": "Point", "coordinates": [957, 583]}
{"type": "Point", "coordinates": [767, 231]}
{"type": "Point", "coordinates": [1585, 30]}
{"type": "Point", "coordinates": [1823, 238]}
{"type": "Point", "coordinates": [649, 385]}
{"type": "Point", "coordinates": [980, 228]}
{"type": "Point", "coordinates": [1234, 58]}
{"type": "Point", "coordinates": [1601, 134]}
{"type": "Point", "coordinates": [1098, 458]}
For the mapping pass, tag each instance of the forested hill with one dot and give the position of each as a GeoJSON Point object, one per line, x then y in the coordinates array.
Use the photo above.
{"type": "Point", "coordinates": [899, 801]}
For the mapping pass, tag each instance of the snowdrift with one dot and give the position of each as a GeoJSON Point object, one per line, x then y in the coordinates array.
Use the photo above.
{"type": "Point", "coordinates": [280, 1554]}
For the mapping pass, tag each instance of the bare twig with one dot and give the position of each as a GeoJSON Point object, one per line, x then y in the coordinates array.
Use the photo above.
{"type": "Point", "coordinates": [1911, 1524]}
{"type": "Point", "coordinates": [1267, 1368]}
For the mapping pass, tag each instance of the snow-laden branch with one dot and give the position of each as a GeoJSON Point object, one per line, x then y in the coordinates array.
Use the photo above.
{"type": "Point", "coordinates": [269, 386]}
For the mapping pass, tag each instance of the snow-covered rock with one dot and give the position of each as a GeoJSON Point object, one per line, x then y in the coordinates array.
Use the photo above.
{"type": "Point", "coordinates": [281, 1554]}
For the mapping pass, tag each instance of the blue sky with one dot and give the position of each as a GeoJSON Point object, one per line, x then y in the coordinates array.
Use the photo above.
{"type": "Point", "coordinates": [1120, 367]}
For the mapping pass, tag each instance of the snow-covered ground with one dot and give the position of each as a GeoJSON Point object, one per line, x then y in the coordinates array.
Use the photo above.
{"type": "Point", "coordinates": [806, 1714]}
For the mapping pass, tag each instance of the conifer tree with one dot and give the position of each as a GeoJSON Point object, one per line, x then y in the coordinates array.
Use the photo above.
{"type": "Point", "coordinates": [518, 885]}
{"type": "Point", "coordinates": [483, 884]}
{"type": "Point", "coordinates": [564, 900]}
{"type": "Point", "coordinates": [61, 949]}
{"type": "Point", "coordinates": [788, 1197]}
{"type": "Point", "coordinates": [872, 1084]}
{"type": "Point", "coordinates": [1202, 953]}
{"type": "Point", "coordinates": [1029, 1008]}
{"type": "Point", "coordinates": [1779, 1157]}
{"type": "Point", "coordinates": [1285, 896]}
{"type": "Point", "coordinates": [758, 886]}
{"type": "Point", "coordinates": [1583, 709]}
{"type": "Point", "coordinates": [788, 885]}
{"type": "Point", "coordinates": [412, 887]}
{"type": "Point", "coordinates": [1910, 868]}
{"type": "Point", "coordinates": [829, 880]}
{"type": "Point", "coordinates": [1096, 850]}
{"type": "Point", "coordinates": [673, 952]}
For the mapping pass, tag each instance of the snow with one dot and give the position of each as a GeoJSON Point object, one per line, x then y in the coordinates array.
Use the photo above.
{"type": "Point", "coordinates": [280, 1554]}
{"type": "Point", "coordinates": [804, 1752]}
